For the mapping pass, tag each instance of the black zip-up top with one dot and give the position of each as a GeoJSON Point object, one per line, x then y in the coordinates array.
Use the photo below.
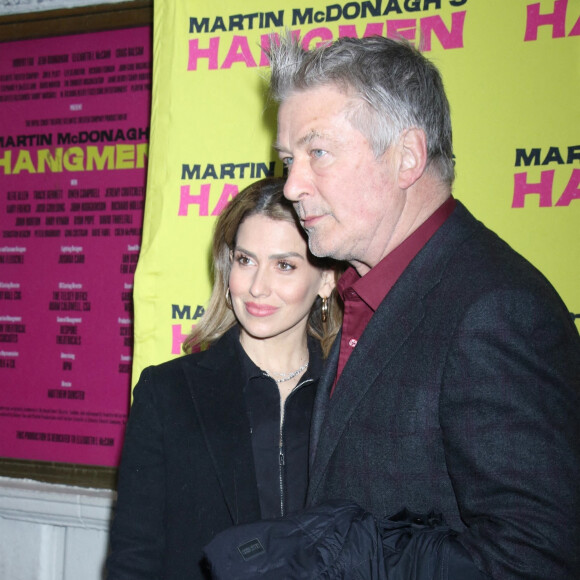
{"type": "Point", "coordinates": [280, 450]}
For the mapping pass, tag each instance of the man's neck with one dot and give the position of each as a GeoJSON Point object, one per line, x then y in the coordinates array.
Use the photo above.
{"type": "Point", "coordinates": [422, 201]}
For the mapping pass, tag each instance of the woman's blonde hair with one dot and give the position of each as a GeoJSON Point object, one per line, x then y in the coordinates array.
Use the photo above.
{"type": "Point", "coordinates": [264, 197]}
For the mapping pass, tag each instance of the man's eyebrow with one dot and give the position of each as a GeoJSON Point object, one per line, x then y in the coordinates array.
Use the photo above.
{"type": "Point", "coordinates": [309, 137]}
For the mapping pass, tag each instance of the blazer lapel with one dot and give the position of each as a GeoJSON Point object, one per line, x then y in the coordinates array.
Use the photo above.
{"type": "Point", "coordinates": [323, 396]}
{"type": "Point", "coordinates": [367, 361]}
{"type": "Point", "coordinates": [219, 401]}
{"type": "Point", "coordinates": [400, 312]}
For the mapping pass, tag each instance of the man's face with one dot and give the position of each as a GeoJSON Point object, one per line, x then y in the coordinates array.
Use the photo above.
{"type": "Point", "coordinates": [347, 199]}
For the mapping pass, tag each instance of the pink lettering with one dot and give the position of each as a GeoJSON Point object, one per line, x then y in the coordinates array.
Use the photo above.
{"type": "Point", "coordinates": [210, 53]}
{"type": "Point", "coordinates": [239, 52]}
{"type": "Point", "coordinates": [556, 19]}
{"type": "Point", "coordinates": [452, 38]}
{"type": "Point", "coordinates": [267, 39]}
{"type": "Point", "coordinates": [575, 29]}
{"type": "Point", "coordinates": [186, 199]}
{"type": "Point", "coordinates": [572, 190]}
{"type": "Point", "coordinates": [523, 188]}
{"type": "Point", "coordinates": [404, 28]}
{"type": "Point", "coordinates": [228, 192]}
{"type": "Point", "coordinates": [324, 34]}
{"type": "Point", "coordinates": [265, 43]}
{"type": "Point", "coordinates": [177, 338]}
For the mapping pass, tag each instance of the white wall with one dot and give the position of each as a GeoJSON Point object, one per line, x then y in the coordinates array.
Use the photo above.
{"type": "Point", "coordinates": [53, 532]}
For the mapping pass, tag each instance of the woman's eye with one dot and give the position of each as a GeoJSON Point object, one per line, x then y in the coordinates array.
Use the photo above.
{"type": "Point", "coordinates": [243, 260]}
{"type": "Point", "coordinates": [286, 266]}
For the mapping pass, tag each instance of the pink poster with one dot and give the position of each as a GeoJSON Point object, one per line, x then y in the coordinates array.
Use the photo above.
{"type": "Point", "coordinates": [74, 128]}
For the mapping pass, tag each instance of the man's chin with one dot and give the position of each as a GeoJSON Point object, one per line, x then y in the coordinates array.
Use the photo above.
{"type": "Point", "coordinates": [318, 249]}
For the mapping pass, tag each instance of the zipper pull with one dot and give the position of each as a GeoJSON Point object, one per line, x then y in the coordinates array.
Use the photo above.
{"type": "Point", "coordinates": [281, 457]}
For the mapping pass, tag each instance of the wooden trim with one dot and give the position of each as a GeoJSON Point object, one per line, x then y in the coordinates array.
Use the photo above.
{"type": "Point", "coordinates": [76, 20]}
{"type": "Point", "coordinates": [65, 473]}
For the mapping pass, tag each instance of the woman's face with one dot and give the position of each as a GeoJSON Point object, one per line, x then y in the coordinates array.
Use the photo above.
{"type": "Point", "coordinates": [272, 284]}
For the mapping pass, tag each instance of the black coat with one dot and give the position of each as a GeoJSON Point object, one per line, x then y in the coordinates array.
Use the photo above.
{"type": "Point", "coordinates": [338, 540]}
{"type": "Point", "coordinates": [462, 396]}
{"type": "Point", "coordinates": [187, 469]}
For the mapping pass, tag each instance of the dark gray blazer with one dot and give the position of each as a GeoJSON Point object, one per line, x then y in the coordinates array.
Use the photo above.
{"type": "Point", "coordinates": [187, 470]}
{"type": "Point", "coordinates": [463, 396]}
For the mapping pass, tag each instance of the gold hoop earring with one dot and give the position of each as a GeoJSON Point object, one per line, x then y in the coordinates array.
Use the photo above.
{"type": "Point", "coordinates": [229, 299]}
{"type": "Point", "coordinates": [324, 309]}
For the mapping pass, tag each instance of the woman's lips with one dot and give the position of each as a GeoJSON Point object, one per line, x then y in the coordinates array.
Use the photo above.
{"type": "Point", "coordinates": [259, 309]}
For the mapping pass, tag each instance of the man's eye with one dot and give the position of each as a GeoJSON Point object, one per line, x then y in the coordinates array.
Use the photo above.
{"type": "Point", "coordinates": [317, 153]}
{"type": "Point", "coordinates": [287, 161]}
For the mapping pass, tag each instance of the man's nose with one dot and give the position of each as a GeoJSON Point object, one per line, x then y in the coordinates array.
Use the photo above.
{"type": "Point", "coordinates": [297, 183]}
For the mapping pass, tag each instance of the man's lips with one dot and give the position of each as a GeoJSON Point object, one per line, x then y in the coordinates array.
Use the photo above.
{"type": "Point", "coordinates": [311, 220]}
{"type": "Point", "coordinates": [260, 309]}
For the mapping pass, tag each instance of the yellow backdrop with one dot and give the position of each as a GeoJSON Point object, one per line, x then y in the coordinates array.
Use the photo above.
{"type": "Point", "coordinates": [511, 70]}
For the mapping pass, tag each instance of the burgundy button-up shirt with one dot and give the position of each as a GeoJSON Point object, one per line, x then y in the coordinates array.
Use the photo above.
{"type": "Point", "coordinates": [362, 295]}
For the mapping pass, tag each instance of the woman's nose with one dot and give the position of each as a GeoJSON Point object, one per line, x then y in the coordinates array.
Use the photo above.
{"type": "Point", "coordinates": [260, 283]}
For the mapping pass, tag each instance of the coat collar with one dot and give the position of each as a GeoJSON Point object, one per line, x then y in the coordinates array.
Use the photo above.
{"type": "Point", "coordinates": [216, 388]}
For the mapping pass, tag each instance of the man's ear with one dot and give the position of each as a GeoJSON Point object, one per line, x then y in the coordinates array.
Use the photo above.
{"type": "Point", "coordinates": [412, 157]}
{"type": "Point", "coordinates": [327, 284]}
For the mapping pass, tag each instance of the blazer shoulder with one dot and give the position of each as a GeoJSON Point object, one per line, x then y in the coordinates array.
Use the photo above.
{"type": "Point", "coordinates": [219, 354]}
{"type": "Point", "coordinates": [477, 271]}
{"type": "Point", "coordinates": [214, 366]}
{"type": "Point", "coordinates": [170, 370]}
{"type": "Point", "coordinates": [483, 259]}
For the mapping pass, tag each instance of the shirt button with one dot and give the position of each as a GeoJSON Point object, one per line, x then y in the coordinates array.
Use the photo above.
{"type": "Point", "coordinates": [352, 342]}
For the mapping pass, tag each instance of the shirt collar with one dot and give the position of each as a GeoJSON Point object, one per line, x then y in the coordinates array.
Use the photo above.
{"type": "Point", "coordinates": [377, 282]}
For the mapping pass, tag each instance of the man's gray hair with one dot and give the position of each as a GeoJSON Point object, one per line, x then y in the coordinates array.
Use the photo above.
{"type": "Point", "coordinates": [394, 85]}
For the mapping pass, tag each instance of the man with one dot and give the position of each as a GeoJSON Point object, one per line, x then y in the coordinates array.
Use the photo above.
{"type": "Point", "coordinates": [455, 383]}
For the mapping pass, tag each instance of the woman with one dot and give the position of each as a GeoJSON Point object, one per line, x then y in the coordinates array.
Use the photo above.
{"type": "Point", "coordinates": [220, 437]}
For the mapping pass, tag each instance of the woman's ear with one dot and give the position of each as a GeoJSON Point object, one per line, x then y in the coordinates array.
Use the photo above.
{"type": "Point", "coordinates": [327, 284]}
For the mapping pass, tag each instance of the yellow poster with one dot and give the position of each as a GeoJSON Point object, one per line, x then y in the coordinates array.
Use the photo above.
{"type": "Point", "coordinates": [512, 75]}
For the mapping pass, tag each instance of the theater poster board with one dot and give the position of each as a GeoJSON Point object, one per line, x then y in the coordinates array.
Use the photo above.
{"type": "Point", "coordinates": [511, 70]}
{"type": "Point", "coordinates": [74, 112]}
